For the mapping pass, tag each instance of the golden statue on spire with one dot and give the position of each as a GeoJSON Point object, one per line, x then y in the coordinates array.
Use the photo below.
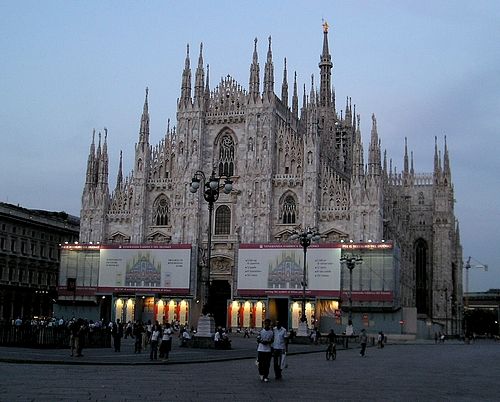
{"type": "Point", "coordinates": [325, 26]}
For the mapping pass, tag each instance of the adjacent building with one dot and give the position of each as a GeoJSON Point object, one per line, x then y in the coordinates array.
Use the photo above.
{"type": "Point", "coordinates": [29, 259]}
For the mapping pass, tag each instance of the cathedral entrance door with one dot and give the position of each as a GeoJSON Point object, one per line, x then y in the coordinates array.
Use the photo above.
{"type": "Point", "coordinates": [220, 293]}
{"type": "Point", "coordinates": [278, 310]}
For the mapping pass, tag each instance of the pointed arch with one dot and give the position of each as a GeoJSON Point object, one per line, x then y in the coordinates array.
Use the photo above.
{"type": "Point", "coordinates": [161, 211]}
{"type": "Point", "coordinates": [421, 250]}
{"type": "Point", "coordinates": [288, 213]}
{"type": "Point", "coordinates": [225, 146]}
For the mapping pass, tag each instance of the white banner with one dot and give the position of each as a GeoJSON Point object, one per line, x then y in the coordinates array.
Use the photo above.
{"type": "Point", "coordinates": [278, 267]}
{"type": "Point", "coordinates": [145, 267]}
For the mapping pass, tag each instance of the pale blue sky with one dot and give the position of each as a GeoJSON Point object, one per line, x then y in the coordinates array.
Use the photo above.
{"type": "Point", "coordinates": [426, 68]}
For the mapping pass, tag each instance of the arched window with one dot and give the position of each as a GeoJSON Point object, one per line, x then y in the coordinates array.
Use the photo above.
{"type": "Point", "coordinates": [226, 156]}
{"type": "Point", "coordinates": [421, 259]}
{"type": "Point", "coordinates": [289, 210]}
{"type": "Point", "coordinates": [161, 212]}
{"type": "Point", "coordinates": [223, 220]}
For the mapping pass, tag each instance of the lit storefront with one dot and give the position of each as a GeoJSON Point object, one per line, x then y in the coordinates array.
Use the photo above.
{"type": "Point", "coordinates": [129, 282]}
{"type": "Point", "coordinates": [271, 275]}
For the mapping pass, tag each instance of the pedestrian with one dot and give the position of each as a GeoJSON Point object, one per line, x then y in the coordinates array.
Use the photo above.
{"type": "Point", "coordinates": [149, 330]}
{"type": "Point", "coordinates": [246, 334]}
{"type": "Point", "coordinates": [166, 342]}
{"type": "Point", "coordinates": [363, 339]}
{"type": "Point", "coordinates": [137, 332]}
{"type": "Point", "coordinates": [128, 330]}
{"type": "Point", "coordinates": [155, 335]}
{"type": "Point", "coordinates": [265, 340]}
{"type": "Point", "coordinates": [82, 329]}
{"type": "Point", "coordinates": [279, 348]}
{"type": "Point", "coordinates": [117, 334]}
{"type": "Point", "coordinates": [380, 340]}
{"type": "Point", "coordinates": [73, 334]}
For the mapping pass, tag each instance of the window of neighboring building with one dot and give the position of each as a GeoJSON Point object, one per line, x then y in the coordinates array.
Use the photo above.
{"type": "Point", "coordinates": [23, 247]}
{"type": "Point", "coordinates": [226, 156]}
{"type": "Point", "coordinates": [14, 229]}
{"type": "Point", "coordinates": [223, 220]}
{"type": "Point", "coordinates": [42, 251]}
{"type": "Point", "coordinates": [13, 245]}
{"type": "Point", "coordinates": [289, 210]}
{"type": "Point", "coordinates": [33, 249]}
{"type": "Point", "coordinates": [2, 243]}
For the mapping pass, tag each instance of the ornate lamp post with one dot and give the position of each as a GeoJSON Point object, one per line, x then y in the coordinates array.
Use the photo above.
{"type": "Point", "coordinates": [350, 261]}
{"type": "Point", "coordinates": [211, 188]}
{"type": "Point", "coordinates": [305, 237]}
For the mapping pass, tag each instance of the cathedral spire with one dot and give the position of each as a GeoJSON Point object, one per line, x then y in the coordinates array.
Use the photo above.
{"type": "Point", "coordinates": [144, 130]}
{"type": "Point", "coordinates": [91, 163]}
{"type": "Point", "coordinates": [446, 162]}
{"type": "Point", "coordinates": [119, 177]}
{"type": "Point", "coordinates": [284, 87]}
{"type": "Point", "coordinates": [385, 162]}
{"type": "Point", "coordinates": [312, 95]}
{"type": "Point", "coordinates": [199, 78]}
{"type": "Point", "coordinates": [325, 66]}
{"type": "Point", "coordinates": [374, 150]}
{"type": "Point", "coordinates": [357, 155]}
{"type": "Point", "coordinates": [207, 87]}
{"type": "Point", "coordinates": [405, 163]}
{"type": "Point", "coordinates": [186, 82]}
{"type": "Point", "coordinates": [437, 163]}
{"type": "Point", "coordinates": [254, 84]}
{"type": "Point", "coordinates": [295, 97]}
{"type": "Point", "coordinates": [269, 73]}
{"type": "Point", "coordinates": [304, 98]}
{"type": "Point", "coordinates": [97, 160]}
{"type": "Point", "coordinates": [103, 162]}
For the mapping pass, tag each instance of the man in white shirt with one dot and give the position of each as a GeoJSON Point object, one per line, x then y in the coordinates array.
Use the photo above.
{"type": "Point", "coordinates": [279, 346]}
{"type": "Point", "coordinates": [265, 340]}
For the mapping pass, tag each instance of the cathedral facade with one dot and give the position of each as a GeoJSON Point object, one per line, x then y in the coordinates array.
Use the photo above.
{"type": "Point", "coordinates": [291, 167]}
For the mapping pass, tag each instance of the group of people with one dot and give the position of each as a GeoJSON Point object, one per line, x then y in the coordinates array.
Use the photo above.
{"type": "Point", "coordinates": [221, 339]}
{"type": "Point", "coordinates": [157, 337]}
{"type": "Point", "coordinates": [272, 345]}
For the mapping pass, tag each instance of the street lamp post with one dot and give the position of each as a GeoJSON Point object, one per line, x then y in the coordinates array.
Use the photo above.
{"type": "Point", "coordinates": [211, 189]}
{"type": "Point", "coordinates": [305, 237]}
{"type": "Point", "coordinates": [350, 261]}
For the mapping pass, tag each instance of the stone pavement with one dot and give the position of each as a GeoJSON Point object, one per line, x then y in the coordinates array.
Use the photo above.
{"type": "Point", "coordinates": [413, 372]}
{"type": "Point", "coordinates": [242, 348]}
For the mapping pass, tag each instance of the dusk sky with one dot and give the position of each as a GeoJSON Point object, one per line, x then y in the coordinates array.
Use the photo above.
{"type": "Point", "coordinates": [425, 68]}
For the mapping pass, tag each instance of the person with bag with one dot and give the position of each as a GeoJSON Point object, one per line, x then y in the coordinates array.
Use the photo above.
{"type": "Point", "coordinates": [265, 341]}
{"type": "Point", "coordinates": [279, 348]}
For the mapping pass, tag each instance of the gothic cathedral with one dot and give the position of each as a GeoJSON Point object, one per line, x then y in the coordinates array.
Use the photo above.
{"type": "Point", "coordinates": [290, 166]}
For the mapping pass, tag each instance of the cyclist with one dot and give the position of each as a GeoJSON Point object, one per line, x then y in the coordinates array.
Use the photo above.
{"type": "Point", "coordinates": [332, 341]}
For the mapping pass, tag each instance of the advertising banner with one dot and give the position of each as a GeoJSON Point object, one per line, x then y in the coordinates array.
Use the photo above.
{"type": "Point", "coordinates": [279, 269]}
{"type": "Point", "coordinates": [145, 267]}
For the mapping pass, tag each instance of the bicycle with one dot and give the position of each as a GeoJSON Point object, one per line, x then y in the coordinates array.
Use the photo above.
{"type": "Point", "coordinates": [331, 352]}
